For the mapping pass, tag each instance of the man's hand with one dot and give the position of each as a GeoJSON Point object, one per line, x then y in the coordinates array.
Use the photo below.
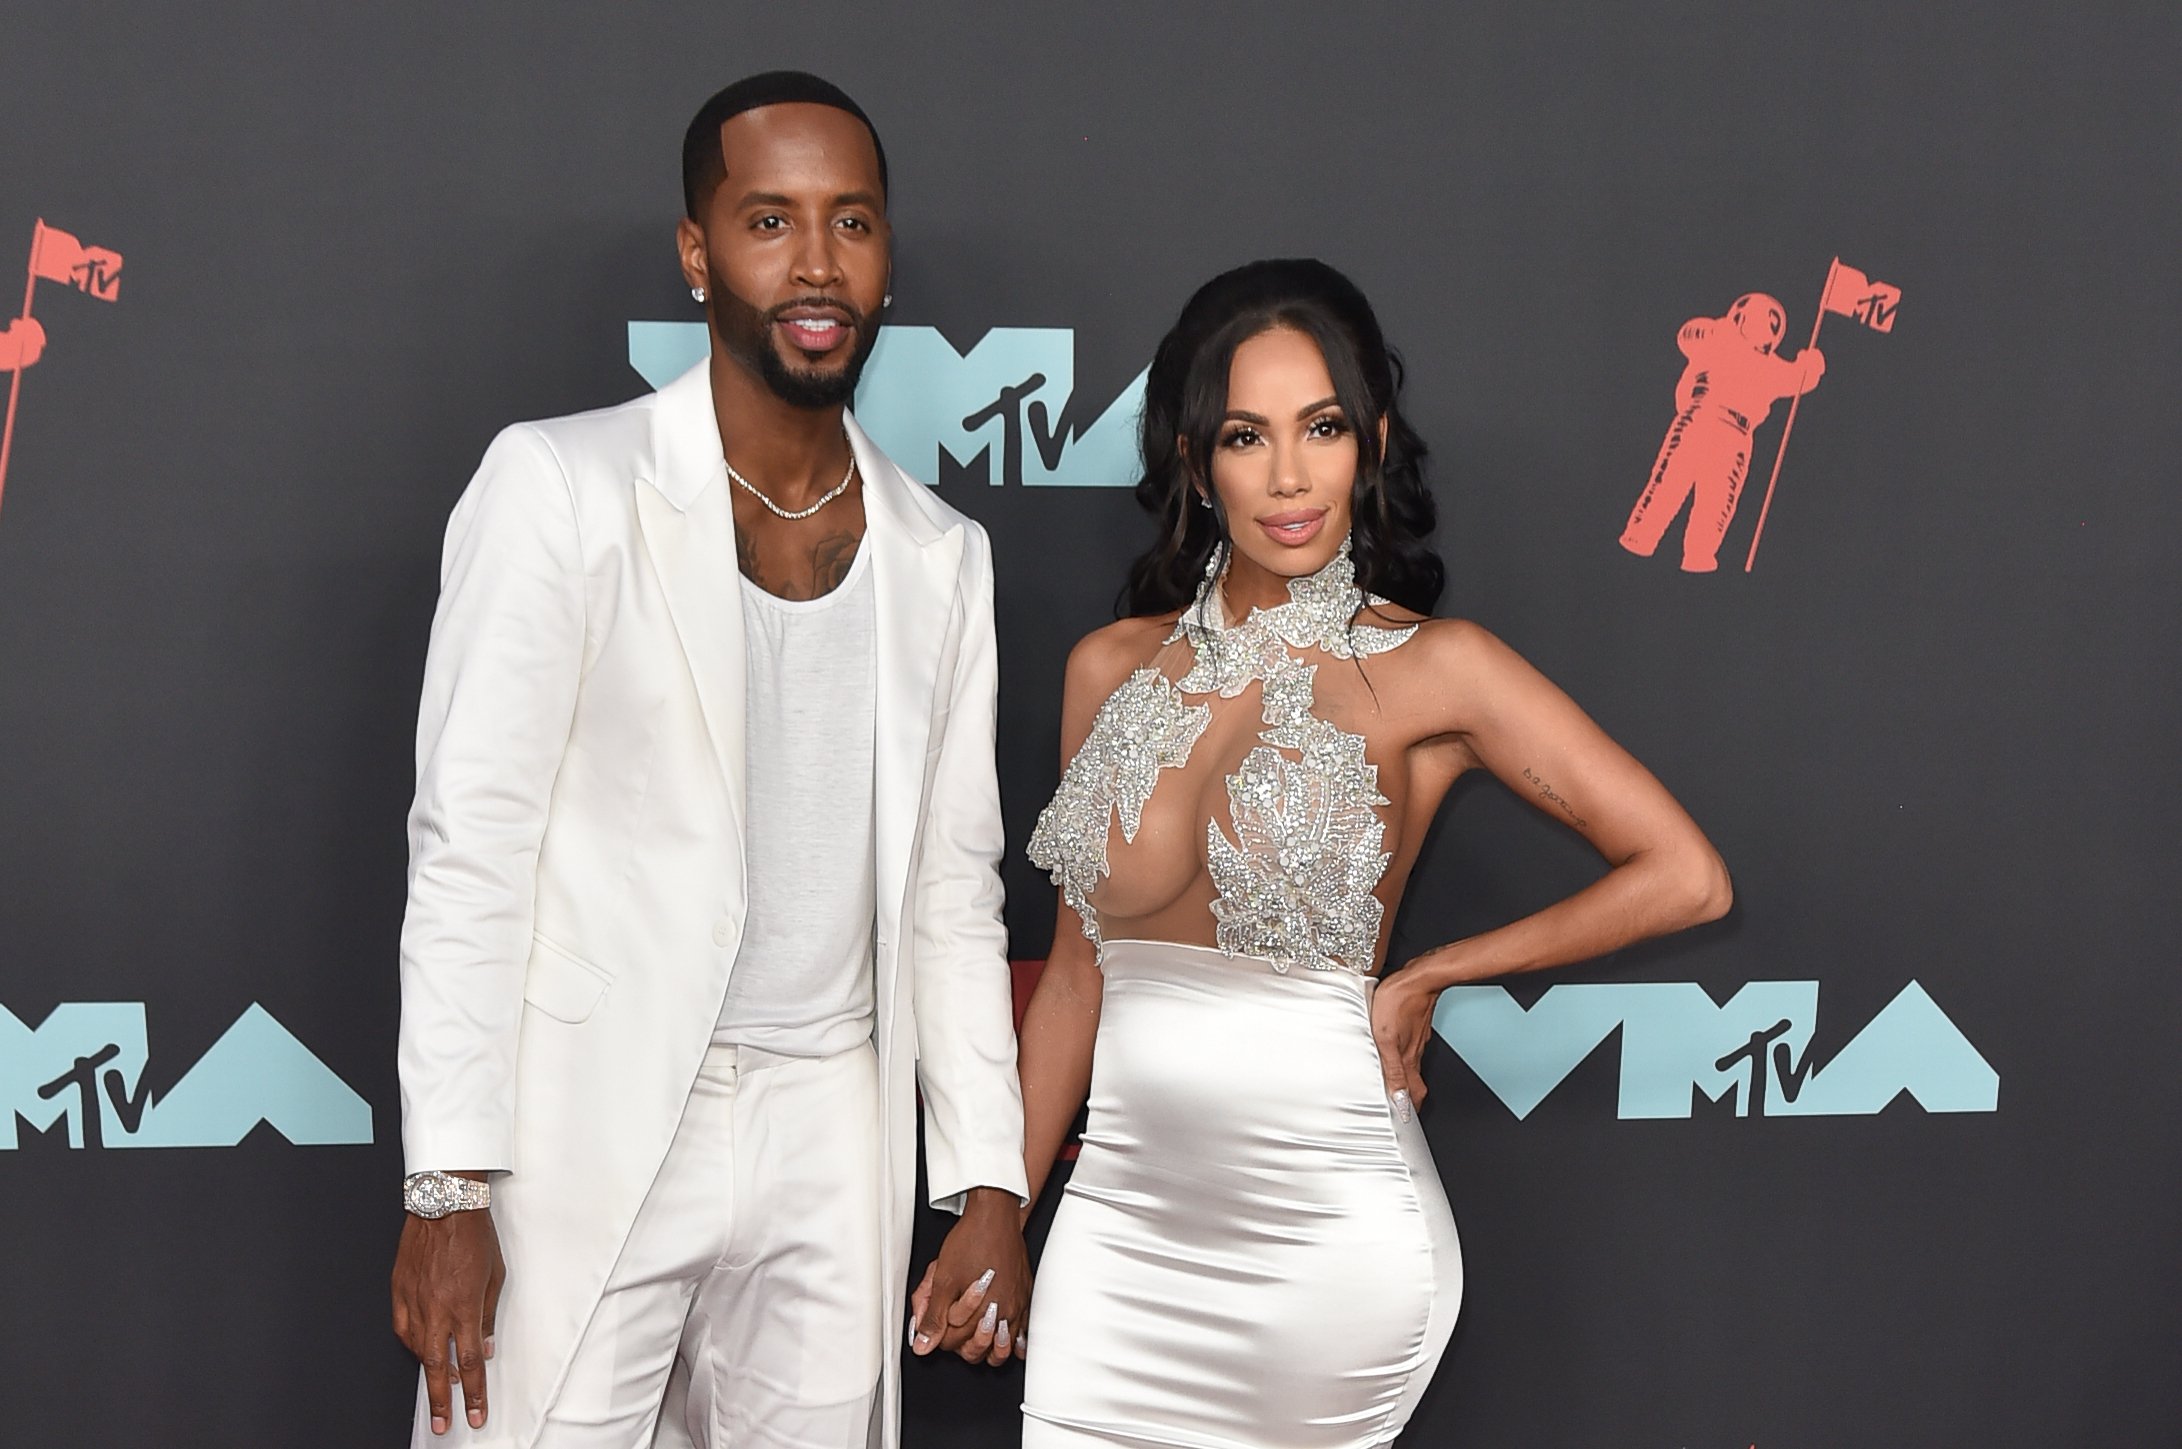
{"type": "Point", "coordinates": [975, 1295]}
{"type": "Point", "coordinates": [1401, 1023]}
{"type": "Point", "coordinates": [447, 1277]}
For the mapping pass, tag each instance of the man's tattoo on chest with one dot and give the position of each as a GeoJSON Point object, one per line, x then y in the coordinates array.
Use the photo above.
{"type": "Point", "coordinates": [746, 559]}
{"type": "Point", "coordinates": [830, 562]}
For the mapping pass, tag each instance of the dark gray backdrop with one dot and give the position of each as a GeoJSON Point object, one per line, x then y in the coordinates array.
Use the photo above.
{"type": "Point", "coordinates": [1932, 731]}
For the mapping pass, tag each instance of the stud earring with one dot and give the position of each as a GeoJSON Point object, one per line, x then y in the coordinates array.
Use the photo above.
{"type": "Point", "coordinates": [887, 300]}
{"type": "Point", "coordinates": [697, 293]}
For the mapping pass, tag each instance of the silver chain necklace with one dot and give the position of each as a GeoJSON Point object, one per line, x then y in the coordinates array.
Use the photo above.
{"type": "Point", "coordinates": [837, 490]}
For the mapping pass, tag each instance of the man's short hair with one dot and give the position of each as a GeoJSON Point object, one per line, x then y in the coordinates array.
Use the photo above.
{"type": "Point", "coordinates": [704, 167]}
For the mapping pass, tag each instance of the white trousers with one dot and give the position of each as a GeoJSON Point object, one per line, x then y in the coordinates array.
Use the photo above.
{"type": "Point", "coordinates": [751, 1275]}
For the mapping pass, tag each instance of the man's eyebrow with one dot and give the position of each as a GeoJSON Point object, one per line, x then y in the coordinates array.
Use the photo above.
{"type": "Point", "coordinates": [776, 198]}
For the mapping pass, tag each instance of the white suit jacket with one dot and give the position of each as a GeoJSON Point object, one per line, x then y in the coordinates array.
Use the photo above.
{"type": "Point", "coordinates": [576, 882]}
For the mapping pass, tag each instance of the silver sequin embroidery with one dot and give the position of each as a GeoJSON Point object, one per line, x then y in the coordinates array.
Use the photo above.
{"type": "Point", "coordinates": [1144, 727]}
{"type": "Point", "coordinates": [1296, 882]}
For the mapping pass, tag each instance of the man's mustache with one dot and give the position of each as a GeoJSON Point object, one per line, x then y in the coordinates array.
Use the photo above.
{"type": "Point", "coordinates": [846, 308]}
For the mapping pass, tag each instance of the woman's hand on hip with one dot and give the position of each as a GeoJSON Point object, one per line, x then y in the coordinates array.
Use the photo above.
{"type": "Point", "coordinates": [1401, 1023]}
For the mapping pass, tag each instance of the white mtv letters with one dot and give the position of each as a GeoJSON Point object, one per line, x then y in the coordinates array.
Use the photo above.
{"type": "Point", "coordinates": [85, 1064]}
{"type": "Point", "coordinates": [1003, 401]}
{"type": "Point", "coordinates": [1676, 1041]}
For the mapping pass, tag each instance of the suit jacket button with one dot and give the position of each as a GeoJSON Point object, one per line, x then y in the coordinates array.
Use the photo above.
{"type": "Point", "coordinates": [721, 933]}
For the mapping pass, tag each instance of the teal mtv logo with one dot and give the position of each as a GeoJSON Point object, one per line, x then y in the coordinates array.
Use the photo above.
{"type": "Point", "coordinates": [84, 1064]}
{"type": "Point", "coordinates": [1676, 1041]}
{"type": "Point", "coordinates": [1001, 402]}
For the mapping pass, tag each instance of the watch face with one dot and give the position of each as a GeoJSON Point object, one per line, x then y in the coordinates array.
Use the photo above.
{"type": "Point", "coordinates": [430, 1197]}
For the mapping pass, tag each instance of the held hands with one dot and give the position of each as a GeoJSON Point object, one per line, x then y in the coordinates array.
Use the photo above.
{"type": "Point", "coordinates": [973, 1299]}
{"type": "Point", "coordinates": [447, 1277]}
{"type": "Point", "coordinates": [1401, 1023]}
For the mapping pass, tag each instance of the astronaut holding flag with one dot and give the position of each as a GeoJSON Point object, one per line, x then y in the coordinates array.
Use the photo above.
{"type": "Point", "coordinates": [1733, 376]}
{"type": "Point", "coordinates": [1731, 381]}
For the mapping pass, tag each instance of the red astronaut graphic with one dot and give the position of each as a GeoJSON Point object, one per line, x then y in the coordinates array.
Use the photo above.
{"type": "Point", "coordinates": [55, 256]}
{"type": "Point", "coordinates": [1733, 378]}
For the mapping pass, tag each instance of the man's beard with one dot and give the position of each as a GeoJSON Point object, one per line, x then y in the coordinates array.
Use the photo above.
{"type": "Point", "coordinates": [748, 336]}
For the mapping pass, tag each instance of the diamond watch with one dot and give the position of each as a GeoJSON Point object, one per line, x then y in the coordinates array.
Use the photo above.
{"type": "Point", "coordinates": [436, 1194]}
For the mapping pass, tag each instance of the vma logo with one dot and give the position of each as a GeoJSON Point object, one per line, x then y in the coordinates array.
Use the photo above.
{"type": "Point", "coordinates": [1676, 1042]}
{"type": "Point", "coordinates": [85, 1064]}
{"type": "Point", "coordinates": [1008, 405]}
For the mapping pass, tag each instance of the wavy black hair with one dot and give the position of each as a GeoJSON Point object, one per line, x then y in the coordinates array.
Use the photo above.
{"type": "Point", "coordinates": [1185, 402]}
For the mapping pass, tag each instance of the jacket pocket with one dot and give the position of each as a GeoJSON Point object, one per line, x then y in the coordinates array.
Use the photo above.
{"type": "Point", "coordinates": [562, 985]}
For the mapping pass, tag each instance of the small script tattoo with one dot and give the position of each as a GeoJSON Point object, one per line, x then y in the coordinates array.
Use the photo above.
{"type": "Point", "coordinates": [1548, 793]}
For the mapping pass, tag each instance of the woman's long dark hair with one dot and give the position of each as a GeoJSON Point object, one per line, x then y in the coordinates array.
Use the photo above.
{"type": "Point", "coordinates": [1185, 403]}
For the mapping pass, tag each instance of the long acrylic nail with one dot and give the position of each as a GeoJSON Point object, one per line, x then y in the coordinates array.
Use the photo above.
{"type": "Point", "coordinates": [1403, 1110]}
{"type": "Point", "coordinates": [992, 1316]}
{"type": "Point", "coordinates": [983, 1283]}
{"type": "Point", "coordinates": [1000, 1339]}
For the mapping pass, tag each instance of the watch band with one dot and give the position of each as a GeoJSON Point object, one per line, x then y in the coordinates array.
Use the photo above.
{"type": "Point", "coordinates": [436, 1194]}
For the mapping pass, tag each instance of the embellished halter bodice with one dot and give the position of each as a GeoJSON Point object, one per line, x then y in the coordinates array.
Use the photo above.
{"type": "Point", "coordinates": [1296, 878]}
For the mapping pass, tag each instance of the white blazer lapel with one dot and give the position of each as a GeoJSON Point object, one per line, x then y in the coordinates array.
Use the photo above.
{"type": "Point", "coordinates": [915, 569]}
{"type": "Point", "coordinates": [688, 523]}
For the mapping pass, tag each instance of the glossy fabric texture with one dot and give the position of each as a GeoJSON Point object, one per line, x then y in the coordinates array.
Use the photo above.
{"type": "Point", "coordinates": [1252, 1253]}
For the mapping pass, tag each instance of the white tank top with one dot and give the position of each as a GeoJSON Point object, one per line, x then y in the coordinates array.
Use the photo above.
{"type": "Point", "coordinates": [802, 984]}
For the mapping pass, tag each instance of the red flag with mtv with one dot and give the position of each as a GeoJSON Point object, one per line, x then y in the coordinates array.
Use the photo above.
{"type": "Point", "coordinates": [1850, 293]}
{"type": "Point", "coordinates": [55, 256]}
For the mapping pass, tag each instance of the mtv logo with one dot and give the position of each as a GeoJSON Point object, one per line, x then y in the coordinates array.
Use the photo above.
{"type": "Point", "coordinates": [84, 1064]}
{"type": "Point", "coordinates": [1002, 402]}
{"type": "Point", "coordinates": [1676, 1041]}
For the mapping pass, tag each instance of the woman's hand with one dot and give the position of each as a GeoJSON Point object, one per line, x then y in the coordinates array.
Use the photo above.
{"type": "Point", "coordinates": [1401, 1023]}
{"type": "Point", "coordinates": [979, 1315]}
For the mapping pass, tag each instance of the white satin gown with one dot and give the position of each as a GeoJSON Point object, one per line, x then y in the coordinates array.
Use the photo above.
{"type": "Point", "coordinates": [1254, 1251]}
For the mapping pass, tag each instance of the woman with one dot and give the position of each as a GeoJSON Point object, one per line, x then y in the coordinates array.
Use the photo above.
{"type": "Point", "coordinates": [1254, 1249]}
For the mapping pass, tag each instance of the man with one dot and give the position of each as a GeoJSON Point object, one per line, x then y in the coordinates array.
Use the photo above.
{"type": "Point", "coordinates": [703, 873]}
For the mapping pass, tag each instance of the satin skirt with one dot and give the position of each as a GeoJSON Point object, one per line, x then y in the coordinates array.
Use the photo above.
{"type": "Point", "coordinates": [1252, 1253]}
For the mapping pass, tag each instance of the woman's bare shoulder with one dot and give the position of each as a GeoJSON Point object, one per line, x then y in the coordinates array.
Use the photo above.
{"type": "Point", "coordinates": [1455, 662]}
{"type": "Point", "coordinates": [1107, 655]}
